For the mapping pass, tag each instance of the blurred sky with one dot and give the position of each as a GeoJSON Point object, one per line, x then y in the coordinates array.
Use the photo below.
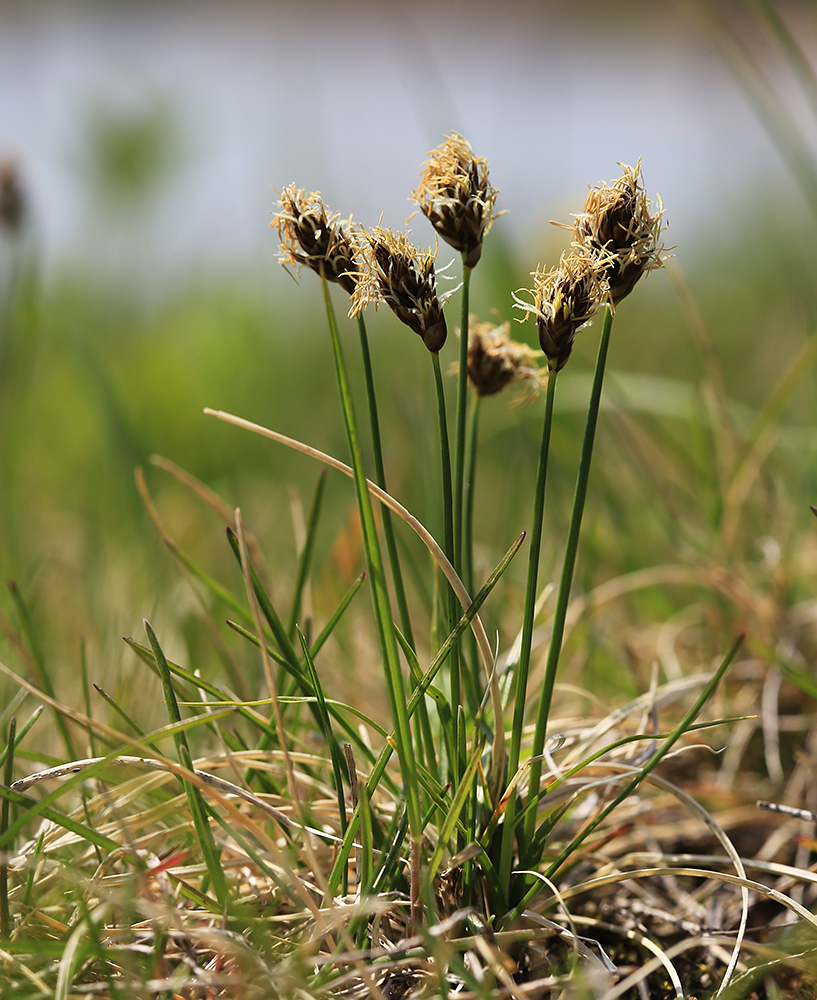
{"type": "Point", "coordinates": [230, 100]}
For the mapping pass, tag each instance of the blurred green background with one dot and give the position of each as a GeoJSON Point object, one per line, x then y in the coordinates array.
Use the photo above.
{"type": "Point", "coordinates": [138, 284]}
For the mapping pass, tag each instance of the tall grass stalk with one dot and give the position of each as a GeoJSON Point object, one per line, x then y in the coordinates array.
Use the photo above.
{"type": "Point", "coordinates": [8, 777]}
{"type": "Point", "coordinates": [448, 545]}
{"type": "Point", "coordinates": [523, 667]}
{"type": "Point", "coordinates": [460, 436]}
{"type": "Point", "coordinates": [380, 477]}
{"type": "Point", "coordinates": [568, 566]}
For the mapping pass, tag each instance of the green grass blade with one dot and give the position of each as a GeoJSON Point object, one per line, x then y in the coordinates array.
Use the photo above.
{"type": "Point", "coordinates": [198, 809]}
{"type": "Point", "coordinates": [32, 871]}
{"type": "Point", "coordinates": [39, 662]}
{"type": "Point", "coordinates": [338, 761]}
{"type": "Point", "coordinates": [452, 817]}
{"type": "Point", "coordinates": [11, 709]}
{"type": "Point", "coordinates": [8, 777]}
{"type": "Point", "coordinates": [123, 715]}
{"type": "Point", "coordinates": [366, 842]}
{"type": "Point", "coordinates": [425, 740]}
{"type": "Point", "coordinates": [38, 711]}
{"type": "Point", "coordinates": [631, 785]}
{"type": "Point", "coordinates": [216, 589]}
{"type": "Point", "coordinates": [86, 694]}
{"type": "Point", "coordinates": [297, 674]}
{"type": "Point", "coordinates": [305, 685]}
{"type": "Point", "coordinates": [146, 656]}
{"type": "Point", "coordinates": [305, 562]}
{"type": "Point", "coordinates": [265, 604]}
{"type": "Point", "coordinates": [329, 627]}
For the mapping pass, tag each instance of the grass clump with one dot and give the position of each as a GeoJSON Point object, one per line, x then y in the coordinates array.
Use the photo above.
{"type": "Point", "coordinates": [479, 836]}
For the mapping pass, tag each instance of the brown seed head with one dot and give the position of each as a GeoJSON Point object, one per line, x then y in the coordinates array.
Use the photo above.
{"type": "Point", "coordinates": [310, 236]}
{"type": "Point", "coordinates": [617, 219]}
{"type": "Point", "coordinates": [564, 299]}
{"type": "Point", "coordinates": [12, 202]}
{"type": "Point", "coordinates": [456, 196]}
{"type": "Point", "coordinates": [397, 273]}
{"type": "Point", "coordinates": [496, 362]}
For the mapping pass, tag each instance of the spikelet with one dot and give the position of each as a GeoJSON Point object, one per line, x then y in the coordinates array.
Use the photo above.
{"type": "Point", "coordinates": [565, 298]}
{"type": "Point", "coordinates": [495, 362]}
{"type": "Point", "coordinates": [399, 274]}
{"type": "Point", "coordinates": [311, 237]}
{"type": "Point", "coordinates": [617, 220]}
{"type": "Point", "coordinates": [457, 198]}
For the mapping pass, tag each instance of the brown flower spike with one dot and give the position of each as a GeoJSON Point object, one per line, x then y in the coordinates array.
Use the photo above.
{"type": "Point", "coordinates": [564, 299]}
{"type": "Point", "coordinates": [12, 201]}
{"type": "Point", "coordinates": [457, 198]}
{"type": "Point", "coordinates": [311, 237]}
{"type": "Point", "coordinates": [496, 362]}
{"type": "Point", "coordinates": [617, 219]}
{"type": "Point", "coordinates": [397, 273]}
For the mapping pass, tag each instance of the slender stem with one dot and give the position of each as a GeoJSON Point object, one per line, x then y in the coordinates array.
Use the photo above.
{"type": "Point", "coordinates": [470, 483]}
{"type": "Point", "coordinates": [380, 478]}
{"type": "Point", "coordinates": [380, 597]}
{"type": "Point", "coordinates": [568, 566]}
{"type": "Point", "coordinates": [462, 407]}
{"type": "Point", "coordinates": [445, 456]}
{"type": "Point", "coordinates": [523, 666]}
{"type": "Point", "coordinates": [8, 778]}
{"type": "Point", "coordinates": [422, 727]}
{"type": "Point", "coordinates": [448, 545]}
{"type": "Point", "coordinates": [468, 535]}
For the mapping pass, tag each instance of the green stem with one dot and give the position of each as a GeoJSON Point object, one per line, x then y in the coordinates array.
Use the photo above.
{"type": "Point", "coordinates": [468, 534]}
{"type": "Point", "coordinates": [8, 778]}
{"type": "Point", "coordinates": [468, 517]}
{"type": "Point", "coordinates": [380, 597]}
{"type": "Point", "coordinates": [563, 597]}
{"type": "Point", "coordinates": [380, 474]}
{"type": "Point", "coordinates": [448, 546]}
{"type": "Point", "coordinates": [523, 666]}
{"type": "Point", "coordinates": [462, 408]}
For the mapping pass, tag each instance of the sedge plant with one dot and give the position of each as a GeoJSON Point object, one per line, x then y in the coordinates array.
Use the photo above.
{"type": "Point", "coordinates": [432, 849]}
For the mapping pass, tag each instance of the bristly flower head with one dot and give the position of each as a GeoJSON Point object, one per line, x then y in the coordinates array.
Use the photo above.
{"type": "Point", "coordinates": [12, 200]}
{"type": "Point", "coordinates": [496, 362]}
{"type": "Point", "coordinates": [564, 299]}
{"type": "Point", "coordinates": [397, 273]}
{"type": "Point", "coordinates": [312, 237]}
{"type": "Point", "coordinates": [617, 219]}
{"type": "Point", "coordinates": [457, 198]}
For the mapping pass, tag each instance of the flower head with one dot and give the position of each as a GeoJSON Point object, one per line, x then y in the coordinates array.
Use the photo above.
{"type": "Point", "coordinates": [456, 196]}
{"type": "Point", "coordinates": [310, 236]}
{"type": "Point", "coordinates": [617, 219]}
{"type": "Point", "coordinates": [496, 362]}
{"type": "Point", "coordinates": [564, 299]}
{"type": "Point", "coordinates": [397, 273]}
{"type": "Point", "coordinates": [12, 201]}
